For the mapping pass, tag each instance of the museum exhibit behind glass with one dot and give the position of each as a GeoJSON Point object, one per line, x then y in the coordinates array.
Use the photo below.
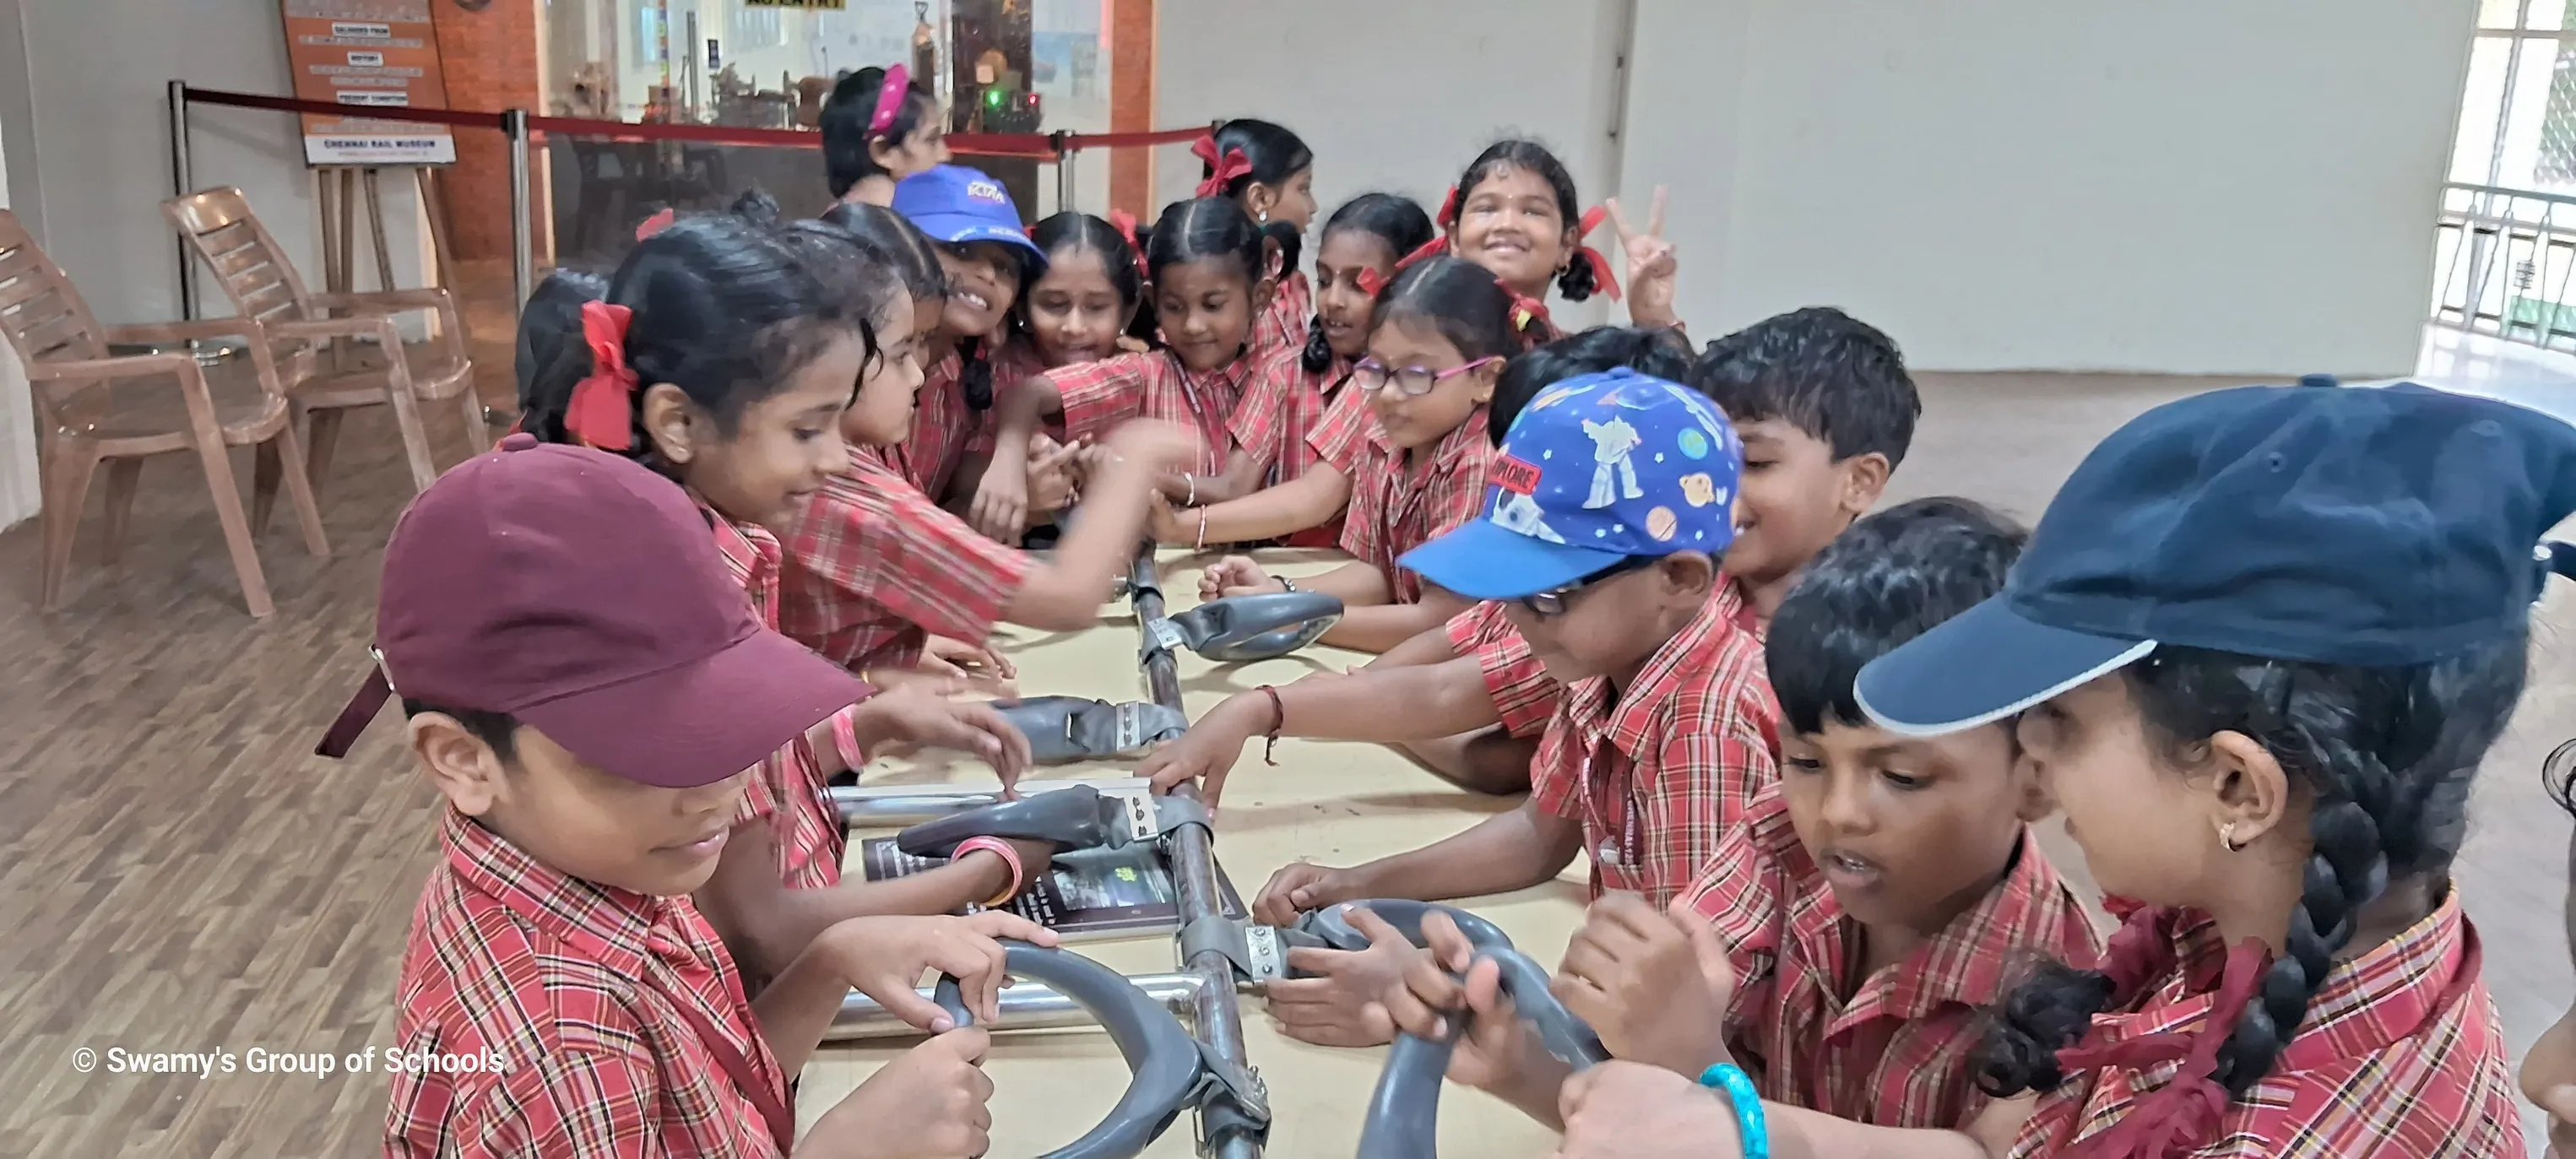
{"type": "Point", "coordinates": [1002, 66]}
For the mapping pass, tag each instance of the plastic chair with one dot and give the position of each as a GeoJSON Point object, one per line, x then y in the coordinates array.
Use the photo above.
{"type": "Point", "coordinates": [94, 408]}
{"type": "Point", "coordinates": [291, 325]}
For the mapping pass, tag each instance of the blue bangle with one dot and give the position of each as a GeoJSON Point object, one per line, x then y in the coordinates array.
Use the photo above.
{"type": "Point", "coordinates": [1730, 1080]}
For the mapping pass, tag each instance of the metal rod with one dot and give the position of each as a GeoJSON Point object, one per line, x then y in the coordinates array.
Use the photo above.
{"type": "Point", "coordinates": [860, 807]}
{"type": "Point", "coordinates": [523, 242]}
{"type": "Point", "coordinates": [1194, 876]}
{"type": "Point", "coordinates": [1025, 1006]}
{"type": "Point", "coordinates": [183, 181]}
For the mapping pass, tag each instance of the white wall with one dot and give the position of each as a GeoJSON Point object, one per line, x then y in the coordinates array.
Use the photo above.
{"type": "Point", "coordinates": [19, 497]}
{"type": "Point", "coordinates": [2198, 186]}
{"type": "Point", "coordinates": [100, 127]}
{"type": "Point", "coordinates": [1392, 96]}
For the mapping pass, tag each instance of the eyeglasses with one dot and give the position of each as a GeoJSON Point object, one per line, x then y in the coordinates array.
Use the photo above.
{"type": "Point", "coordinates": [1549, 604]}
{"type": "Point", "coordinates": [1372, 376]}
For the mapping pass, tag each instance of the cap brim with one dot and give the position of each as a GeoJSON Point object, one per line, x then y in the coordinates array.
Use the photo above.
{"type": "Point", "coordinates": [961, 229]}
{"type": "Point", "coordinates": [1980, 666]}
{"type": "Point", "coordinates": [703, 722]}
{"type": "Point", "coordinates": [1483, 561]}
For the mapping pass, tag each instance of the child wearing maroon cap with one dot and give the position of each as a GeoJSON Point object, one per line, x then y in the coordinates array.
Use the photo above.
{"type": "Point", "coordinates": [722, 358]}
{"type": "Point", "coordinates": [587, 688]}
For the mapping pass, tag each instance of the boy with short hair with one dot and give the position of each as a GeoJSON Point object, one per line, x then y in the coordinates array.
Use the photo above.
{"type": "Point", "coordinates": [1872, 904]}
{"type": "Point", "coordinates": [1826, 411]}
{"type": "Point", "coordinates": [586, 685]}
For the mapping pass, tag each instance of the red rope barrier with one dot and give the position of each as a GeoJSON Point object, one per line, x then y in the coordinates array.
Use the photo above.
{"type": "Point", "coordinates": [1039, 146]}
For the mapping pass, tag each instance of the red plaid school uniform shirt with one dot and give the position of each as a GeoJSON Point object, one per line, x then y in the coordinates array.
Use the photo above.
{"type": "Point", "coordinates": [2399, 1058]}
{"type": "Point", "coordinates": [1100, 395]}
{"type": "Point", "coordinates": [944, 428]}
{"type": "Point", "coordinates": [1292, 312]}
{"type": "Point", "coordinates": [1309, 399]}
{"type": "Point", "coordinates": [1013, 365]}
{"type": "Point", "coordinates": [873, 566]}
{"type": "Point", "coordinates": [1520, 687]}
{"type": "Point", "coordinates": [1395, 505]}
{"type": "Point", "coordinates": [1899, 1052]}
{"type": "Point", "coordinates": [587, 994]}
{"type": "Point", "coordinates": [790, 790]}
{"type": "Point", "coordinates": [1658, 777]}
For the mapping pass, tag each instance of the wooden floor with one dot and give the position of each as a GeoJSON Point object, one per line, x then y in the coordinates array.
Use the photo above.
{"type": "Point", "coordinates": [178, 874]}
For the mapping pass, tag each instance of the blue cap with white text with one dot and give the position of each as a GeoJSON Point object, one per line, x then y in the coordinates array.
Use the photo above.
{"type": "Point", "coordinates": [955, 204]}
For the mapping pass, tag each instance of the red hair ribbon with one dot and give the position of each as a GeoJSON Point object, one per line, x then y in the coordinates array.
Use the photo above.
{"type": "Point", "coordinates": [1222, 170]}
{"type": "Point", "coordinates": [1370, 282]}
{"type": "Point", "coordinates": [2185, 1113]}
{"type": "Point", "coordinates": [898, 82]}
{"type": "Point", "coordinates": [1125, 223]}
{"type": "Point", "coordinates": [602, 411]}
{"type": "Point", "coordinates": [656, 223]}
{"type": "Point", "coordinates": [1430, 249]}
{"type": "Point", "coordinates": [1525, 310]}
{"type": "Point", "coordinates": [1592, 219]}
{"type": "Point", "coordinates": [1448, 215]}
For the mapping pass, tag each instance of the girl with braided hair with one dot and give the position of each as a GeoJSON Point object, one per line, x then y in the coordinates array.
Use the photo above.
{"type": "Point", "coordinates": [2256, 650]}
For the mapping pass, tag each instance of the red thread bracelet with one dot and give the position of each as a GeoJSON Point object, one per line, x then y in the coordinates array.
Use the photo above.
{"type": "Point", "coordinates": [1278, 720]}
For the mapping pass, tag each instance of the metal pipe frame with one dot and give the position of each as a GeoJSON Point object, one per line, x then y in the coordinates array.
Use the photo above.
{"type": "Point", "coordinates": [1193, 859]}
{"type": "Point", "coordinates": [1025, 1006]}
{"type": "Point", "coordinates": [183, 181]}
{"type": "Point", "coordinates": [523, 242]}
{"type": "Point", "coordinates": [871, 811]}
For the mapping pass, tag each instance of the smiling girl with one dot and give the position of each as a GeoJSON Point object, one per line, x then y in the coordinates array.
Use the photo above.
{"type": "Point", "coordinates": [989, 259]}
{"type": "Point", "coordinates": [1270, 172]}
{"type": "Point", "coordinates": [879, 128]}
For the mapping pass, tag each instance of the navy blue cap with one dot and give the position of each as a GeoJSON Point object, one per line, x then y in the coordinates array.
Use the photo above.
{"type": "Point", "coordinates": [955, 204]}
{"type": "Point", "coordinates": [2376, 527]}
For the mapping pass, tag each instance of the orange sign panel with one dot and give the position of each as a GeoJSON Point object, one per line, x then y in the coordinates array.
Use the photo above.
{"type": "Point", "coordinates": [368, 54]}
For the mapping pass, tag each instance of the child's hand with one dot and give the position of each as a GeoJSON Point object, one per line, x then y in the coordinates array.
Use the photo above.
{"type": "Point", "coordinates": [1498, 1052]}
{"type": "Point", "coordinates": [884, 958]}
{"type": "Point", "coordinates": [1153, 446]}
{"type": "Point", "coordinates": [929, 1103]}
{"type": "Point", "coordinates": [968, 663]}
{"type": "Point", "coordinates": [1654, 984]}
{"type": "Point", "coordinates": [1168, 525]}
{"type": "Point", "coordinates": [1626, 1110]}
{"type": "Point", "coordinates": [1054, 482]}
{"type": "Point", "coordinates": [1300, 887]}
{"type": "Point", "coordinates": [1236, 575]}
{"type": "Point", "coordinates": [1204, 754]}
{"type": "Point", "coordinates": [1652, 265]}
{"type": "Point", "coordinates": [1343, 1002]}
{"type": "Point", "coordinates": [1131, 344]}
{"type": "Point", "coordinates": [1001, 507]}
{"type": "Point", "coordinates": [913, 716]}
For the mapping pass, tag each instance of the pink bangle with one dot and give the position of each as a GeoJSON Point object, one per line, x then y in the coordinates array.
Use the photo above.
{"type": "Point", "coordinates": [1009, 856]}
{"type": "Point", "coordinates": [845, 740]}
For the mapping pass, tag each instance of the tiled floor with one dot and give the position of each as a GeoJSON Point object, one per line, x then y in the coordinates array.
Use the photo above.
{"type": "Point", "coordinates": [177, 874]}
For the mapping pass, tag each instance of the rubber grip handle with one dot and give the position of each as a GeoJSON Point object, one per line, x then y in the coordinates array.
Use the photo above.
{"type": "Point", "coordinates": [1403, 1120]}
{"type": "Point", "coordinates": [1258, 627]}
{"type": "Point", "coordinates": [1075, 817]}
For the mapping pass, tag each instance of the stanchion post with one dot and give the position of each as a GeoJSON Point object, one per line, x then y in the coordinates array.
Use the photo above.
{"type": "Point", "coordinates": [183, 181]}
{"type": "Point", "coordinates": [1194, 877]}
{"type": "Point", "coordinates": [523, 242]}
{"type": "Point", "coordinates": [1063, 172]}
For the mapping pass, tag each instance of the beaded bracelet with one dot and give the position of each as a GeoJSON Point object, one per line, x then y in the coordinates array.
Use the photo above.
{"type": "Point", "coordinates": [1728, 1079]}
{"type": "Point", "coordinates": [1009, 856]}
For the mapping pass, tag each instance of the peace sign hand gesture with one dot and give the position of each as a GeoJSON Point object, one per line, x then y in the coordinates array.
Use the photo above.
{"type": "Point", "coordinates": [1652, 266]}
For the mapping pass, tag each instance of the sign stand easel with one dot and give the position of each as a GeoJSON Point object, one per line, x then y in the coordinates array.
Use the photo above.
{"type": "Point", "coordinates": [339, 189]}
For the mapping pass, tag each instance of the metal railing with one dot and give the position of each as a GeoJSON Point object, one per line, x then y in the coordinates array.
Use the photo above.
{"type": "Point", "coordinates": [2504, 264]}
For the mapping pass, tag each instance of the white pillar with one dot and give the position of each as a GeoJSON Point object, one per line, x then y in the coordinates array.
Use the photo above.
{"type": "Point", "coordinates": [18, 495]}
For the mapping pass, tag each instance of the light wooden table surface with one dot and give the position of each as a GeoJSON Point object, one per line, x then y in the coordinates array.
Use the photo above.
{"type": "Point", "coordinates": [1329, 802]}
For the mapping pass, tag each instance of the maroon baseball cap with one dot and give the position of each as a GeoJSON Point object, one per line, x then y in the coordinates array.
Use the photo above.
{"type": "Point", "coordinates": [584, 595]}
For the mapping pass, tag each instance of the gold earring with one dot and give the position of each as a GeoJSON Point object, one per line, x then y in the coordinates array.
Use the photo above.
{"type": "Point", "coordinates": [2227, 837]}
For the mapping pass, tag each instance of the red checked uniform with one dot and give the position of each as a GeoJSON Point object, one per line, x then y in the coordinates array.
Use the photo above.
{"type": "Point", "coordinates": [1308, 398]}
{"type": "Point", "coordinates": [944, 429]}
{"type": "Point", "coordinates": [1659, 776]}
{"type": "Point", "coordinates": [1098, 396]}
{"type": "Point", "coordinates": [1900, 1051]}
{"type": "Point", "coordinates": [615, 1022]}
{"type": "Point", "coordinates": [1292, 310]}
{"type": "Point", "coordinates": [790, 791]}
{"type": "Point", "coordinates": [2400, 1057]}
{"type": "Point", "coordinates": [1522, 691]}
{"type": "Point", "coordinates": [1400, 501]}
{"type": "Point", "coordinates": [873, 567]}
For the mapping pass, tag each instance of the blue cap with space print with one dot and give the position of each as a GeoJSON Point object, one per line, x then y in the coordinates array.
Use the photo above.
{"type": "Point", "coordinates": [1596, 471]}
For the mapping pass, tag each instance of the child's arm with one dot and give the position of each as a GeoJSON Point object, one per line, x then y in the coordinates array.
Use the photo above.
{"type": "Point", "coordinates": [1305, 501]}
{"type": "Point", "coordinates": [884, 958]}
{"type": "Point", "coordinates": [1432, 647]}
{"type": "Point", "coordinates": [767, 925]}
{"type": "Point", "coordinates": [1384, 705]}
{"type": "Point", "coordinates": [1245, 471]}
{"type": "Point", "coordinates": [1065, 595]}
{"type": "Point", "coordinates": [1505, 852]}
{"type": "Point", "coordinates": [1001, 504]}
{"type": "Point", "coordinates": [1378, 627]}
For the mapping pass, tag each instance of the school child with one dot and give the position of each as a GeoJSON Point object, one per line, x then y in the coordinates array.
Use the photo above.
{"type": "Point", "coordinates": [585, 685]}
{"type": "Point", "coordinates": [1270, 172]}
{"type": "Point", "coordinates": [874, 565]}
{"type": "Point", "coordinates": [2258, 647]}
{"type": "Point", "coordinates": [1407, 448]}
{"type": "Point", "coordinates": [1204, 258]}
{"type": "Point", "coordinates": [1442, 695]}
{"type": "Point", "coordinates": [878, 129]}
{"type": "Point", "coordinates": [989, 260]}
{"type": "Point", "coordinates": [2549, 1067]}
{"type": "Point", "coordinates": [723, 359]}
{"type": "Point", "coordinates": [1081, 306]}
{"type": "Point", "coordinates": [1852, 931]}
{"type": "Point", "coordinates": [1514, 212]}
{"type": "Point", "coordinates": [1607, 526]}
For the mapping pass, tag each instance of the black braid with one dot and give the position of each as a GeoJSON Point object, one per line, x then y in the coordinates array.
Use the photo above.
{"type": "Point", "coordinates": [1318, 354]}
{"type": "Point", "coordinates": [2385, 756]}
{"type": "Point", "coordinates": [1579, 281]}
{"type": "Point", "coordinates": [975, 374]}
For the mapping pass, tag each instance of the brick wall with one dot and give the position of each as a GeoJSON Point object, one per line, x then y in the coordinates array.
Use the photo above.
{"type": "Point", "coordinates": [491, 62]}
